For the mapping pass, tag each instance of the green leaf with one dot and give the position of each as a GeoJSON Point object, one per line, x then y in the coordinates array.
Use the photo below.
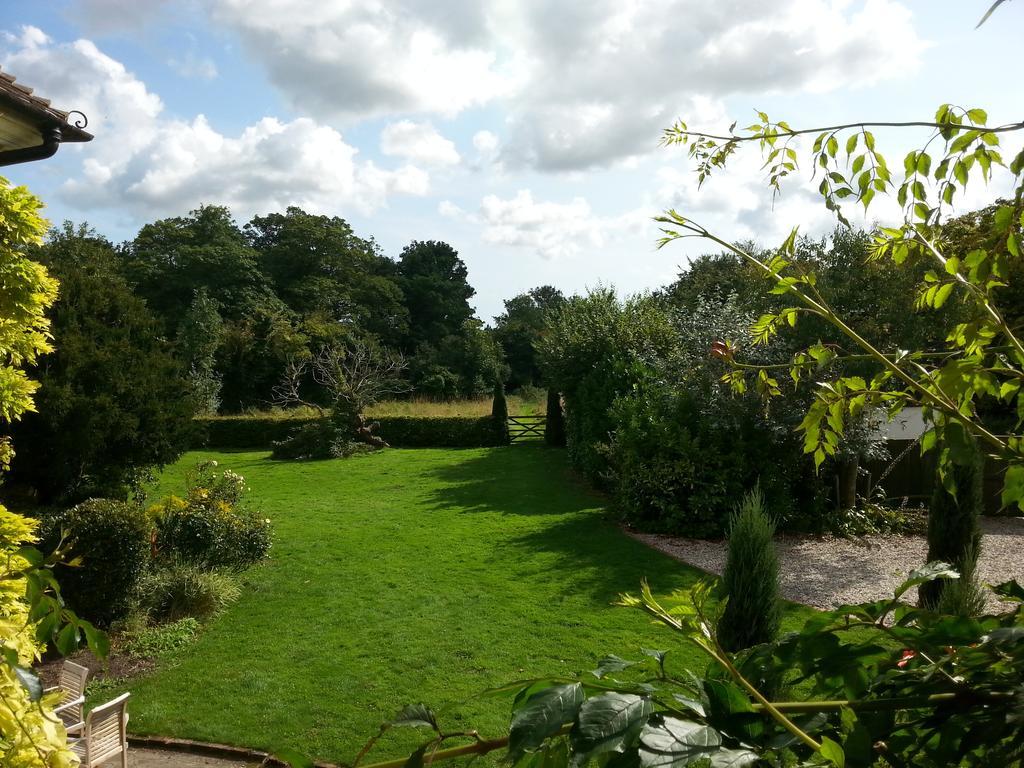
{"type": "Point", "coordinates": [29, 682]}
{"type": "Point", "coordinates": [97, 640]}
{"type": "Point", "coordinates": [1013, 486]}
{"type": "Point", "coordinates": [416, 758]}
{"type": "Point", "coordinates": [978, 116]}
{"type": "Point", "coordinates": [542, 716]}
{"type": "Point", "coordinates": [851, 143]}
{"type": "Point", "coordinates": [67, 640]}
{"type": "Point", "coordinates": [924, 163]}
{"type": "Point", "coordinates": [667, 742]}
{"type": "Point", "coordinates": [610, 722]}
{"type": "Point", "coordinates": [927, 572]}
{"type": "Point", "coordinates": [691, 704]}
{"type": "Point", "coordinates": [1010, 590]}
{"type": "Point", "coordinates": [611, 663]}
{"type": "Point", "coordinates": [832, 752]}
{"type": "Point", "coordinates": [415, 716]}
{"type": "Point", "coordinates": [942, 294]}
{"type": "Point", "coordinates": [733, 758]}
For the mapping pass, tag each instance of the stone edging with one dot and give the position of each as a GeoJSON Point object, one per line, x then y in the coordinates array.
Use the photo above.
{"type": "Point", "coordinates": [206, 749]}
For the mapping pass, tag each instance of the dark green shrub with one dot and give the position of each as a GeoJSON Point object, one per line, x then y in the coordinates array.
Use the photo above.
{"type": "Point", "coordinates": [175, 590]}
{"type": "Point", "coordinates": [247, 432]}
{"type": "Point", "coordinates": [751, 578]}
{"type": "Point", "coordinates": [311, 440]}
{"type": "Point", "coordinates": [113, 540]}
{"type": "Point", "coordinates": [678, 466]}
{"type": "Point", "coordinates": [554, 425]}
{"type": "Point", "coordinates": [112, 400]}
{"type": "Point", "coordinates": [954, 535]}
{"type": "Point", "coordinates": [440, 431]}
{"type": "Point", "coordinates": [210, 527]}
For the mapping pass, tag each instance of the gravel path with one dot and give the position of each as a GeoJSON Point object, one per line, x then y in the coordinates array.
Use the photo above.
{"type": "Point", "coordinates": [824, 572]}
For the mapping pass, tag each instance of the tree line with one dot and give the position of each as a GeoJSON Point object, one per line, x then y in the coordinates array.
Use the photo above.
{"type": "Point", "coordinates": [199, 315]}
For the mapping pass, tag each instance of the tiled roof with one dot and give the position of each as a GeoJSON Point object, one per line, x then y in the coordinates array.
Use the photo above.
{"type": "Point", "coordinates": [37, 109]}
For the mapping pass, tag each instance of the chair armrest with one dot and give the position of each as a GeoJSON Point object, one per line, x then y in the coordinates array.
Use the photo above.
{"type": "Point", "coordinates": [68, 704]}
{"type": "Point", "coordinates": [51, 689]}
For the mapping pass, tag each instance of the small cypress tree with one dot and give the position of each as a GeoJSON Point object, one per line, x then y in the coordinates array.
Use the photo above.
{"type": "Point", "coordinates": [751, 577]}
{"type": "Point", "coordinates": [499, 412]}
{"type": "Point", "coordinates": [554, 426]}
{"type": "Point", "coordinates": [954, 535]}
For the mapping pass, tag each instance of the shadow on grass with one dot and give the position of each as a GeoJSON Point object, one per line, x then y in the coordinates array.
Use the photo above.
{"type": "Point", "coordinates": [514, 480]}
{"type": "Point", "coordinates": [579, 544]}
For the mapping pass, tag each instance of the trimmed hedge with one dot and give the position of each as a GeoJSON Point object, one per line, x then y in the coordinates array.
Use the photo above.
{"type": "Point", "coordinates": [259, 432]}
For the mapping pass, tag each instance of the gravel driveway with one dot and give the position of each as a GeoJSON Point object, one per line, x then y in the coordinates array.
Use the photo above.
{"type": "Point", "coordinates": [824, 572]}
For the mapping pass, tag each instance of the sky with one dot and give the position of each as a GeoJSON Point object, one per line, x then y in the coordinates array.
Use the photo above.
{"type": "Point", "coordinates": [523, 133]}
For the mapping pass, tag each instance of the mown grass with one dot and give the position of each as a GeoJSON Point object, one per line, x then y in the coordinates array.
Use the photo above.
{"type": "Point", "coordinates": [399, 577]}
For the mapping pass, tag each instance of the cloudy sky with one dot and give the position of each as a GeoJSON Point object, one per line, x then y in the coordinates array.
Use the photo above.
{"type": "Point", "coordinates": [524, 133]}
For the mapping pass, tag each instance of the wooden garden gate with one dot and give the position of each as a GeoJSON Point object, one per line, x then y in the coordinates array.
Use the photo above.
{"type": "Point", "coordinates": [526, 429]}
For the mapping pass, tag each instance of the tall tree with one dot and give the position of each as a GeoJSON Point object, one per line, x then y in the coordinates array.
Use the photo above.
{"type": "Point", "coordinates": [520, 327]}
{"type": "Point", "coordinates": [436, 292]}
{"type": "Point", "coordinates": [113, 400]}
{"type": "Point", "coordinates": [319, 266]}
{"type": "Point", "coordinates": [170, 259]}
{"type": "Point", "coordinates": [199, 337]}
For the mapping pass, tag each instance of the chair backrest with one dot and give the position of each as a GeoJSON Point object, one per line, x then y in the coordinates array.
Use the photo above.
{"type": "Point", "coordinates": [106, 729]}
{"type": "Point", "coordinates": [73, 678]}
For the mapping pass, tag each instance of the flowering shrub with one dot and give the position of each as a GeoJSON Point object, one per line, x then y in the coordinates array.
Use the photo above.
{"type": "Point", "coordinates": [210, 527]}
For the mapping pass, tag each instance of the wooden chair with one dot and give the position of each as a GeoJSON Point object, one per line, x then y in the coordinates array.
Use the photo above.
{"type": "Point", "coordinates": [73, 678]}
{"type": "Point", "coordinates": [105, 734]}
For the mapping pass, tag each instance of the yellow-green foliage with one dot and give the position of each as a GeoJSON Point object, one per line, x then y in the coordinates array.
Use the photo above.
{"type": "Point", "coordinates": [30, 735]}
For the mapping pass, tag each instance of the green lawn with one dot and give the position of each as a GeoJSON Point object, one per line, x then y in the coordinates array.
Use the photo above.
{"type": "Point", "coordinates": [398, 577]}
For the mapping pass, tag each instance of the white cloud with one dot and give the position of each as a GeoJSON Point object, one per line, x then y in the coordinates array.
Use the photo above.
{"type": "Point", "coordinates": [419, 142]}
{"type": "Point", "coordinates": [553, 230]}
{"type": "Point", "coordinates": [584, 84]}
{"type": "Point", "coordinates": [356, 59]}
{"type": "Point", "coordinates": [485, 142]}
{"type": "Point", "coordinates": [147, 163]}
{"type": "Point", "coordinates": [450, 210]}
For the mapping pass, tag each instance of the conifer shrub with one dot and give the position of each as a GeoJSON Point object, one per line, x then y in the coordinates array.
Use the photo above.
{"type": "Point", "coordinates": [499, 412]}
{"type": "Point", "coordinates": [554, 427]}
{"type": "Point", "coordinates": [751, 578]}
{"type": "Point", "coordinates": [954, 537]}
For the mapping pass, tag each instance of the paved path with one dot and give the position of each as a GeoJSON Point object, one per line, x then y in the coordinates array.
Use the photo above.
{"type": "Point", "coordinates": [163, 758]}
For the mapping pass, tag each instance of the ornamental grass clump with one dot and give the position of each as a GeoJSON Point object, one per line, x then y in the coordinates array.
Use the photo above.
{"type": "Point", "coordinates": [751, 578]}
